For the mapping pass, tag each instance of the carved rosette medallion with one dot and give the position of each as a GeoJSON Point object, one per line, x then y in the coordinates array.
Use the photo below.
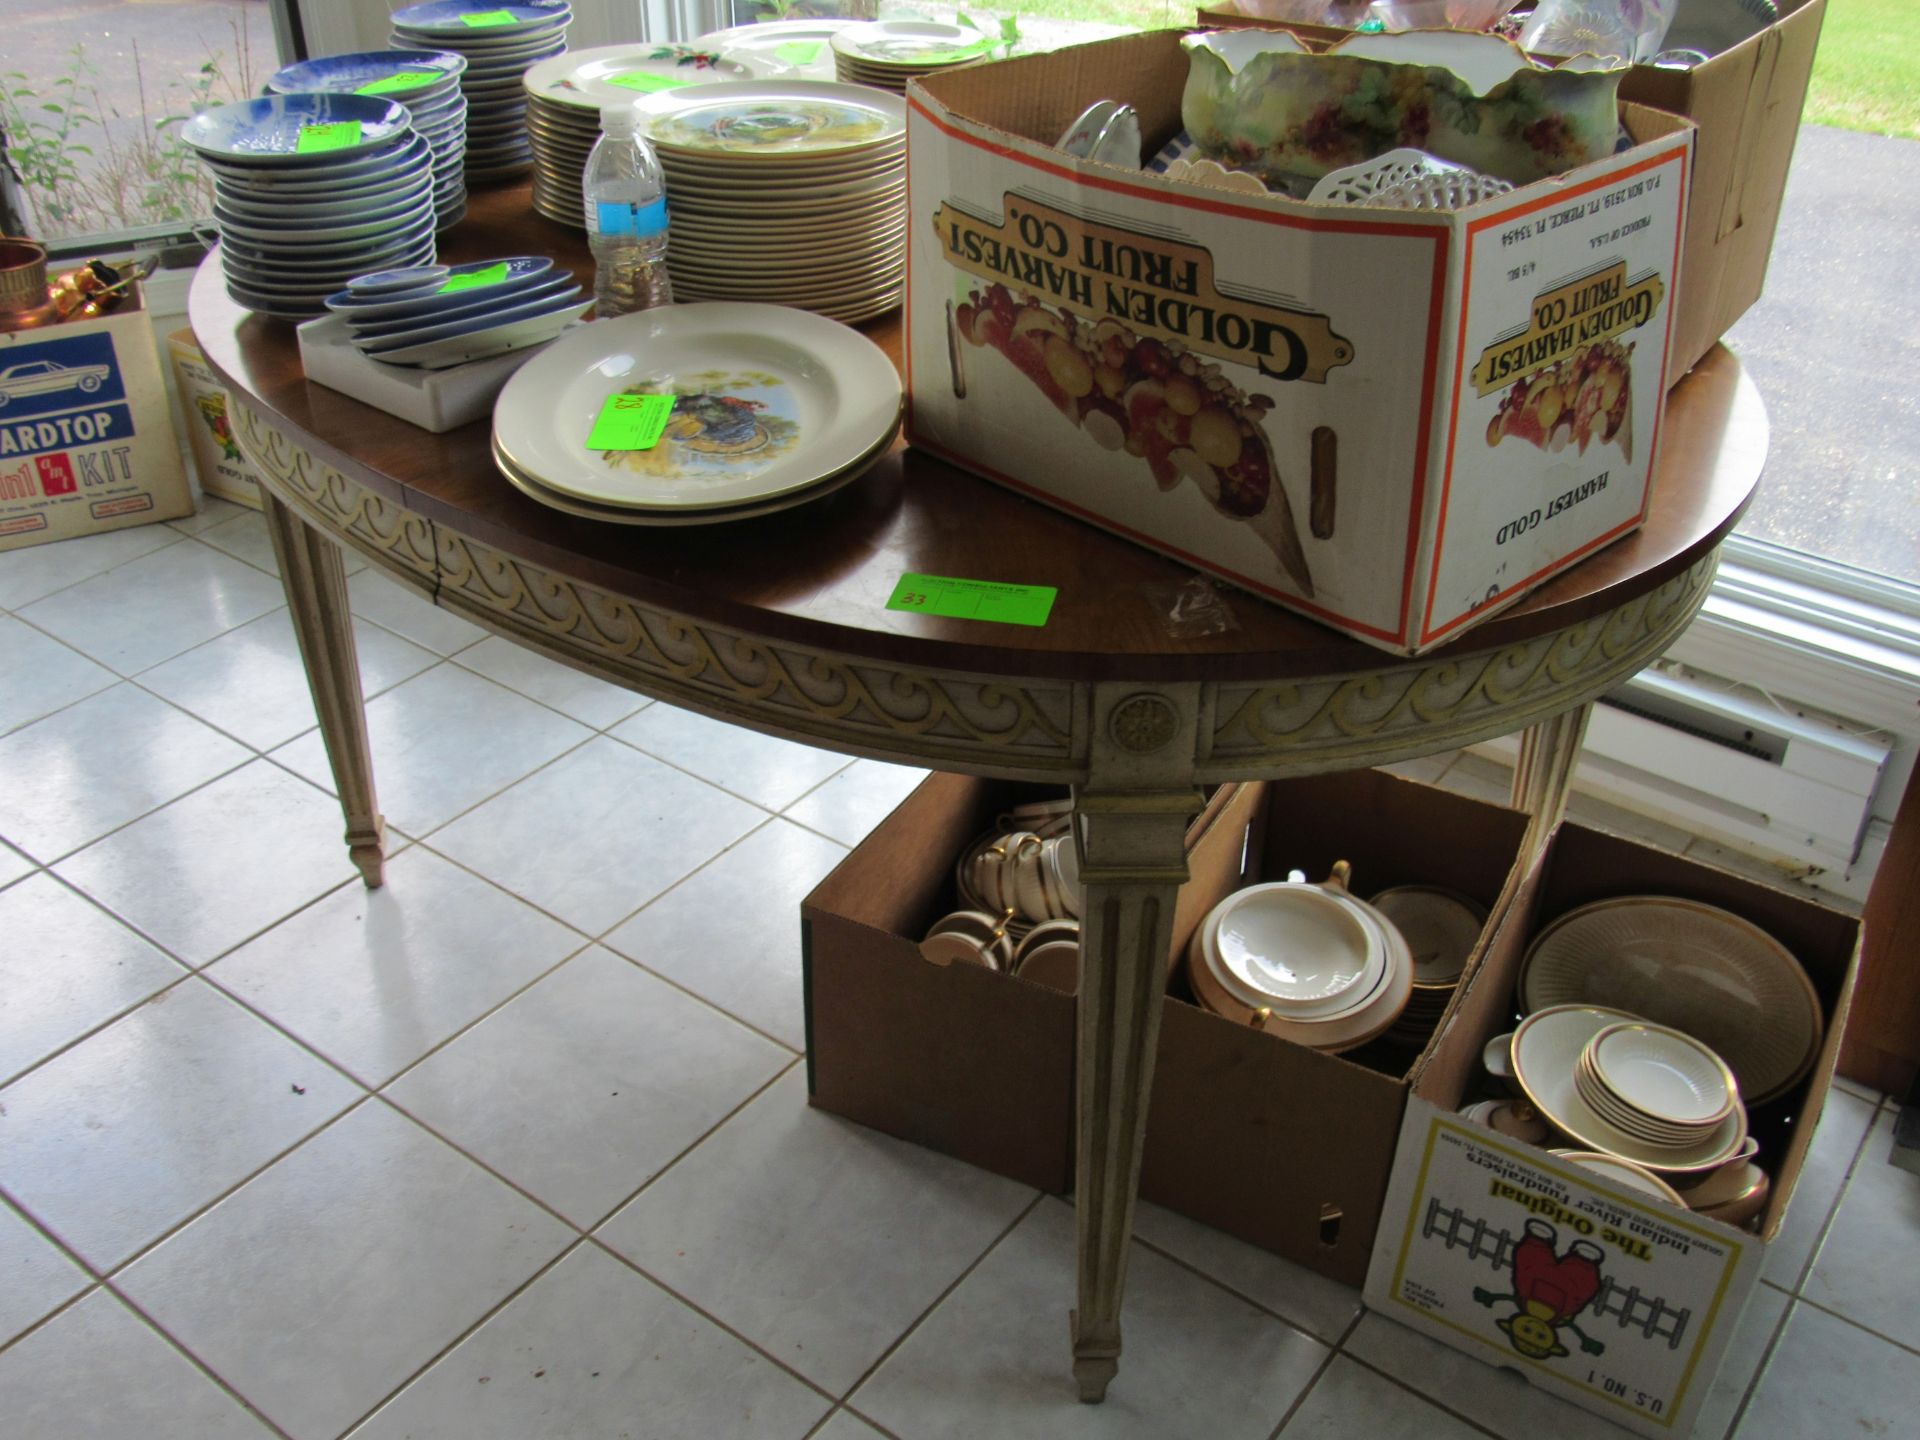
{"type": "Point", "coordinates": [1143, 724]}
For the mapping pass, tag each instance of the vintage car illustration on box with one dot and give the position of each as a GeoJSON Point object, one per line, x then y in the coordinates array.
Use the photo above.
{"type": "Point", "coordinates": [44, 377]}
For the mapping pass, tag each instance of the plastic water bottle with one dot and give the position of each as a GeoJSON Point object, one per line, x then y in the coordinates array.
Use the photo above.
{"type": "Point", "coordinates": [626, 209]}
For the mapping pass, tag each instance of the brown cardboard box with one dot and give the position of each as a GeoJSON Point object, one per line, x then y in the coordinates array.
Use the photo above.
{"type": "Point", "coordinates": [1673, 1283]}
{"type": "Point", "coordinates": [217, 460]}
{"type": "Point", "coordinates": [1747, 103]}
{"type": "Point", "coordinates": [86, 443]}
{"type": "Point", "coordinates": [1357, 364]}
{"type": "Point", "coordinates": [1283, 1146]}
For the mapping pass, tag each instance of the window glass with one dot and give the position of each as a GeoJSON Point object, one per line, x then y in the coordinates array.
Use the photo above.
{"type": "Point", "coordinates": [92, 95]}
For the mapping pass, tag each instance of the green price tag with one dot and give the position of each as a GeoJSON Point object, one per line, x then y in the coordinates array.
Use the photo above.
{"type": "Point", "coordinates": [974, 599]}
{"type": "Point", "coordinates": [631, 422]}
{"type": "Point", "coordinates": [334, 135]}
{"type": "Point", "coordinates": [641, 80]}
{"type": "Point", "coordinates": [799, 52]}
{"type": "Point", "coordinates": [481, 19]}
{"type": "Point", "coordinates": [474, 279]}
{"type": "Point", "coordinates": [400, 80]}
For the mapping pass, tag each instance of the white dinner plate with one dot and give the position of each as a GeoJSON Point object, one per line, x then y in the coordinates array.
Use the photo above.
{"type": "Point", "coordinates": [771, 400]}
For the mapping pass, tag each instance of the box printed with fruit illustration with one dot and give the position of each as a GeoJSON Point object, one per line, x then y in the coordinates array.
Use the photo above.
{"type": "Point", "coordinates": [1397, 422]}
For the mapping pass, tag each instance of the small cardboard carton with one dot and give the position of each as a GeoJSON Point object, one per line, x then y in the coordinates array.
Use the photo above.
{"type": "Point", "coordinates": [1358, 396]}
{"type": "Point", "coordinates": [1283, 1146]}
{"type": "Point", "coordinates": [1746, 102]}
{"type": "Point", "coordinates": [222, 469]}
{"type": "Point", "coordinates": [1621, 1303]}
{"type": "Point", "coordinates": [85, 440]}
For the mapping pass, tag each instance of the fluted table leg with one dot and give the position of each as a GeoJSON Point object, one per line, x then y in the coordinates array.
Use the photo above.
{"type": "Point", "coordinates": [1543, 773]}
{"type": "Point", "coordinates": [316, 586]}
{"type": "Point", "coordinates": [1133, 816]}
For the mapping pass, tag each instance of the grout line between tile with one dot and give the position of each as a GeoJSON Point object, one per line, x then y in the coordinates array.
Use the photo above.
{"type": "Point", "coordinates": [760, 805]}
{"type": "Point", "coordinates": [867, 1419]}
{"type": "Point", "coordinates": [119, 1267]}
{"type": "Point", "coordinates": [93, 1285]}
{"type": "Point", "coordinates": [178, 537]}
{"type": "Point", "coordinates": [199, 1364]}
{"type": "Point", "coordinates": [519, 1187]}
{"type": "Point", "coordinates": [1759, 1374]}
{"type": "Point", "coordinates": [600, 939]}
{"type": "Point", "coordinates": [711, 1319]}
{"type": "Point", "coordinates": [695, 1144]}
{"type": "Point", "coordinates": [645, 700]}
{"type": "Point", "coordinates": [1240, 1295]}
{"type": "Point", "coordinates": [1805, 1272]}
{"type": "Point", "coordinates": [1395, 1380]}
{"type": "Point", "coordinates": [1039, 1196]}
{"type": "Point", "coordinates": [67, 855]}
{"type": "Point", "coordinates": [377, 1087]}
{"type": "Point", "coordinates": [1286, 1418]}
{"type": "Point", "coordinates": [462, 1336]}
{"type": "Point", "coordinates": [1846, 1319]}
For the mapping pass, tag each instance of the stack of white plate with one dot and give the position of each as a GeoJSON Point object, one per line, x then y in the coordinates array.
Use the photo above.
{"type": "Point", "coordinates": [565, 94]}
{"type": "Point", "coordinates": [1307, 962]}
{"type": "Point", "coordinates": [789, 49]}
{"type": "Point", "coordinates": [771, 408]}
{"type": "Point", "coordinates": [1655, 1083]}
{"type": "Point", "coordinates": [296, 224]}
{"type": "Point", "coordinates": [788, 191]}
{"type": "Point", "coordinates": [1620, 1086]}
{"type": "Point", "coordinates": [426, 82]}
{"type": "Point", "coordinates": [500, 44]}
{"type": "Point", "coordinates": [1441, 927]}
{"type": "Point", "coordinates": [434, 316]}
{"type": "Point", "coordinates": [888, 53]}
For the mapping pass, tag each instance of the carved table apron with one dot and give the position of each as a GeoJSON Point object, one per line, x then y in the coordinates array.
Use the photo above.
{"type": "Point", "coordinates": [779, 624]}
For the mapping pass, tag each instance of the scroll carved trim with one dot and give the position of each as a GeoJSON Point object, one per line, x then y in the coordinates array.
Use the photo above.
{"type": "Point", "coordinates": [1432, 705]}
{"type": "Point", "coordinates": [782, 687]}
{"type": "Point", "coordinates": [322, 496]}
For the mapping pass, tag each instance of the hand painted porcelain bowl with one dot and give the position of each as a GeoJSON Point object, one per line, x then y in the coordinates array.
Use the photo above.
{"type": "Point", "coordinates": [1259, 101]}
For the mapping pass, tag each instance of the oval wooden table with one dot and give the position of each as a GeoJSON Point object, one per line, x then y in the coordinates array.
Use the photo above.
{"type": "Point", "coordinates": [780, 624]}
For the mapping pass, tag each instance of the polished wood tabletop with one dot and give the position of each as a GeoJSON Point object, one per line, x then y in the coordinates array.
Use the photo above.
{"type": "Point", "coordinates": [820, 575]}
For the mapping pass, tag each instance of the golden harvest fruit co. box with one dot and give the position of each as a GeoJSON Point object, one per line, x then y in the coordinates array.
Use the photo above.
{"type": "Point", "coordinates": [86, 443]}
{"type": "Point", "coordinates": [1395, 422]}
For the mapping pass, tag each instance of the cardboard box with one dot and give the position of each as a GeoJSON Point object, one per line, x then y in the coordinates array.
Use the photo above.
{"type": "Point", "coordinates": [1633, 1325]}
{"type": "Point", "coordinates": [1286, 1147]}
{"type": "Point", "coordinates": [85, 440]}
{"type": "Point", "coordinates": [1359, 358]}
{"type": "Point", "coordinates": [217, 460]}
{"type": "Point", "coordinates": [1747, 103]}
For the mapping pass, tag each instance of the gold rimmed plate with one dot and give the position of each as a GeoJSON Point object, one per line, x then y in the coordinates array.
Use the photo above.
{"type": "Point", "coordinates": [1695, 967]}
{"type": "Point", "coordinates": [770, 400]}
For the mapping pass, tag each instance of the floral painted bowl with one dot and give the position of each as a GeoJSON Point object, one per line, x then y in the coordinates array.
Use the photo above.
{"type": "Point", "coordinates": [1259, 101]}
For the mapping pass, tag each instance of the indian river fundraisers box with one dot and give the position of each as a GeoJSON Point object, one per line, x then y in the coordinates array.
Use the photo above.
{"type": "Point", "coordinates": [1358, 413]}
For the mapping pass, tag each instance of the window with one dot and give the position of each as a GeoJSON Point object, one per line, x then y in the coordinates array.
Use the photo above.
{"type": "Point", "coordinates": [91, 103]}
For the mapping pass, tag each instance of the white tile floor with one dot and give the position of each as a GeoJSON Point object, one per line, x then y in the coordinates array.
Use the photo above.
{"type": "Point", "coordinates": [281, 1156]}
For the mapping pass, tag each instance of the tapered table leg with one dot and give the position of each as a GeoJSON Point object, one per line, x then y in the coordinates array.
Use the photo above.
{"type": "Point", "coordinates": [1543, 773]}
{"type": "Point", "coordinates": [316, 586]}
{"type": "Point", "coordinates": [1132, 819]}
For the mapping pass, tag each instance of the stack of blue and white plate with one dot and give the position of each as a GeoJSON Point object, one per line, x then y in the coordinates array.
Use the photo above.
{"type": "Point", "coordinates": [434, 316]}
{"type": "Point", "coordinates": [426, 82]}
{"type": "Point", "coordinates": [310, 190]}
{"type": "Point", "coordinates": [499, 43]}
